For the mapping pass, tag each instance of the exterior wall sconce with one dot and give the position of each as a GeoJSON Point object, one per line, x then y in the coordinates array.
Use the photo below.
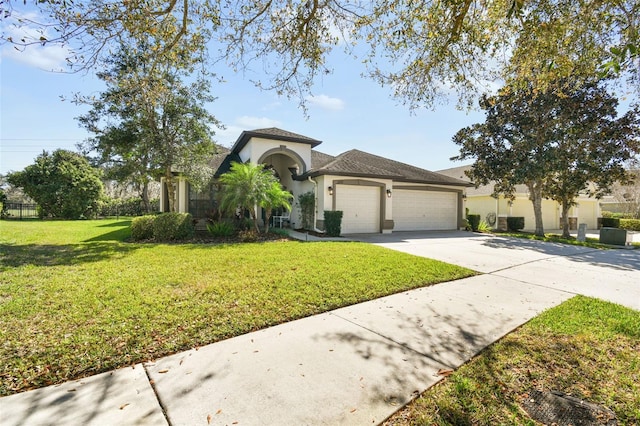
{"type": "Point", "coordinates": [388, 193]}
{"type": "Point", "coordinates": [330, 190]}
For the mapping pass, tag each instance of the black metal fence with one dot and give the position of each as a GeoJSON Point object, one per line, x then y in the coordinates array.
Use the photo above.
{"type": "Point", "coordinates": [20, 211]}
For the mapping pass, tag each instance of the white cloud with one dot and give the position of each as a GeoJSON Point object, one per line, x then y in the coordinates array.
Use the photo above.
{"type": "Point", "coordinates": [48, 57]}
{"type": "Point", "coordinates": [326, 102]}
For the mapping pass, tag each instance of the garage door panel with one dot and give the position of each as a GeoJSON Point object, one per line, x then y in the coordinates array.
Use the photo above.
{"type": "Point", "coordinates": [360, 206]}
{"type": "Point", "coordinates": [424, 210]}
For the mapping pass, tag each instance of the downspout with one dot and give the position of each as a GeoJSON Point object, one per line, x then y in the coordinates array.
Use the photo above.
{"type": "Point", "coordinates": [315, 209]}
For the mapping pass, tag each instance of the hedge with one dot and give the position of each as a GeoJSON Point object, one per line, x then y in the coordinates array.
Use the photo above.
{"type": "Point", "coordinates": [142, 227]}
{"type": "Point", "coordinates": [173, 226]}
{"type": "Point", "coordinates": [515, 223]}
{"type": "Point", "coordinates": [474, 221]}
{"type": "Point", "coordinates": [630, 224]}
{"type": "Point", "coordinates": [610, 222]}
{"type": "Point", "coordinates": [333, 222]}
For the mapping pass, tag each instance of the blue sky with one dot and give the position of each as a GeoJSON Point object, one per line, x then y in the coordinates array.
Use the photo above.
{"type": "Point", "coordinates": [346, 111]}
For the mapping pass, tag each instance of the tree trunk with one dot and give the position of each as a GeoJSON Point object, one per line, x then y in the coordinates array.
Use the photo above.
{"type": "Point", "coordinates": [145, 197]}
{"type": "Point", "coordinates": [171, 192]}
{"type": "Point", "coordinates": [535, 195]}
{"type": "Point", "coordinates": [267, 216]}
{"type": "Point", "coordinates": [564, 220]}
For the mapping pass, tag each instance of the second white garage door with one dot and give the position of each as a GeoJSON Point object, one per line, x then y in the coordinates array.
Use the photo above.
{"type": "Point", "coordinates": [424, 210]}
{"type": "Point", "coordinates": [361, 208]}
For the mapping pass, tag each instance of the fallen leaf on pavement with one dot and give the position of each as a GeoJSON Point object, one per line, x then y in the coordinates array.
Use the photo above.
{"type": "Point", "coordinates": [445, 372]}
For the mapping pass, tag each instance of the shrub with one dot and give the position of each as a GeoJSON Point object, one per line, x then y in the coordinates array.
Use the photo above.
{"type": "Point", "coordinates": [333, 222]}
{"type": "Point", "coordinates": [484, 226]}
{"type": "Point", "coordinates": [142, 227]}
{"type": "Point", "coordinates": [630, 224]}
{"type": "Point", "coordinates": [173, 226]}
{"type": "Point", "coordinates": [307, 204]}
{"type": "Point", "coordinates": [474, 221]}
{"type": "Point", "coordinates": [248, 236]}
{"type": "Point", "coordinates": [125, 206]}
{"type": "Point", "coordinates": [243, 224]}
{"type": "Point", "coordinates": [515, 223]}
{"type": "Point", "coordinates": [610, 222]}
{"type": "Point", "coordinates": [221, 229]}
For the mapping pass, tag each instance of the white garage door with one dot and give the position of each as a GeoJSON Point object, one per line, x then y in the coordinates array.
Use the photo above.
{"type": "Point", "coordinates": [361, 208]}
{"type": "Point", "coordinates": [424, 210]}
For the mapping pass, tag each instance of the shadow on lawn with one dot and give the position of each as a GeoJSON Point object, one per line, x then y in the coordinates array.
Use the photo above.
{"type": "Point", "coordinates": [12, 256]}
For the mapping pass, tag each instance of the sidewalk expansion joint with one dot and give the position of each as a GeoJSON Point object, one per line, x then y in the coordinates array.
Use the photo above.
{"type": "Point", "coordinates": [555, 256]}
{"type": "Point", "coordinates": [155, 392]}
{"type": "Point", "coordinates": [400, 344]}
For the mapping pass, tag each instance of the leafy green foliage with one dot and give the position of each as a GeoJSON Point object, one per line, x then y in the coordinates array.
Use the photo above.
{"type": "Point", "coordinates": [142, 227]}
{"type": "Point", "coordinates": [557, 143]}
{"type": "Point", "coordinates": [80, 300]}
{"type": "Point", "coordinates": [515, 223]}
{"type": "Point", "coordinates": [630, 224]}
{"type": "Point", "coordinates": [474, 221]}
{"type": "Point", "coordinates": [333, 222]}
{"type": "Point", "coordinates": [610, 222]}
{"type": "Point", "coordinates": [149, 123]}
{"type": "Point", "coordinates": [133, 206]}
{"type": "Point", "coordinates": [275, 197]}
{"type": "Point", "coordinates": [246, 186]}
{"type": "Point", "coordinates": [62, 183]}
{"type": "Point", "coordinates": [173, 226]}
{"type": "Point", "coordinates": [221, 228]}
{"type": "Point", "coordinates": [411, 48]}
{"type": "Point", "coordinates": [307, 205]}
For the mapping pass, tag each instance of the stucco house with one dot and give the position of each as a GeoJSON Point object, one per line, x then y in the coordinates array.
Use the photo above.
{"type": "Point", "coordinates": [492, 210]}
{"type": "Point", "coordinates": [376, 194]}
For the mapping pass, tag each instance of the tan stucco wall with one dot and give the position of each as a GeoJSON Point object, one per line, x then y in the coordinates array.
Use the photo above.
{"type": "Point", "coordinates": [257, 147]}
{"type": "Point", "coordinates": [587, 211]}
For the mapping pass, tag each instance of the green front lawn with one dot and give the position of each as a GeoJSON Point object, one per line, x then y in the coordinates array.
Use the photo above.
{"type": "Point", "coordinates": [585, 347]}
{"type": "Point", "coordinates": [76, 299]}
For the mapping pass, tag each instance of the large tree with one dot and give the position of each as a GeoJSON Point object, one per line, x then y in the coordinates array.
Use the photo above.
{"type": "Point", "coordinates": [558, 143]}
{"type": "Point", "coordinates": [421, 48]}
{"type": "Point", "coordinates": [148, 122]}
{"type": "Point", "coordinates": [63, 184]}
{"type": "Point", "coordinates": [591, 148]}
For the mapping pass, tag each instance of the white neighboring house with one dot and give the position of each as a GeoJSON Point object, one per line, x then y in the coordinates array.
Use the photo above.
{"type": "Point", "coordinates": [491, 210]}
{"type": "Point", "coordinates": [376, 194]}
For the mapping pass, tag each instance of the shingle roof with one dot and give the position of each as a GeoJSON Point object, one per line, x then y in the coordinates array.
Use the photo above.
{"type": "Point", "coordinates": [319, 159]}
{"type": "Point", "coordinates": [272, 133]}
{"type": "Point", "coordinates": [360, 163]}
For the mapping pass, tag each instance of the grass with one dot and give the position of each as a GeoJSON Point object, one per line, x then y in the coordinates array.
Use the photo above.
{"type": "Point", "coordinates": [555, 238]}
{"type": "Point", "coordinates": [76, 299]}
{"type": "Point", "coordinates": [585, 347]}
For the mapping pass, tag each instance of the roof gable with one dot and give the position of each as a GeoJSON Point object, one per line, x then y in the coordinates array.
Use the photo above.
{"type": "Point", "coordinates": [272, 133]}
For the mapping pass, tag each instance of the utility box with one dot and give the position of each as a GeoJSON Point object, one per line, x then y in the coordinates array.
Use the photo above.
{"type": "Point", "coordinates": [615, 236]}
{"type": "Point", "coordinates": [582, 232]}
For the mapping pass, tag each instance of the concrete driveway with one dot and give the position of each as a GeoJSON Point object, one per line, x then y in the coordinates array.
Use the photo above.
{"type": "Point", "coordinates": [612, 275]}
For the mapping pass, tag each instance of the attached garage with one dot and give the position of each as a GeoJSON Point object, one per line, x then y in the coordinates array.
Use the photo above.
{"type": "Point", "coordinates": [360, 205]}
{"type": "Point", "coordinates": [415, 210]}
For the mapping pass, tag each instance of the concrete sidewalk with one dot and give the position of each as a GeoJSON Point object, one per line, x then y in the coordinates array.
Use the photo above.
{"type": "Point", "coordinates": [351, 366]}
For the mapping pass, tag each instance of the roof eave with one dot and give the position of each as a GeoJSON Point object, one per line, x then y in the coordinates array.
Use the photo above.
{"type": "Point", "coordinates": [246, 135]}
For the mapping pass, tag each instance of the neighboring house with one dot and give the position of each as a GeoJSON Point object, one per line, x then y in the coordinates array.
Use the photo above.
{"type": "Point", "coordinates": [481, 201]}
{"type": "Point", "coordinates": [376, 194]}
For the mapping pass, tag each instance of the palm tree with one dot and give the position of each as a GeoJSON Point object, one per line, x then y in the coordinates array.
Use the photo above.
{"type": "Point", "coordinates": [275, 197]}
{"type": "Point", "coordinates": [246, 186]}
